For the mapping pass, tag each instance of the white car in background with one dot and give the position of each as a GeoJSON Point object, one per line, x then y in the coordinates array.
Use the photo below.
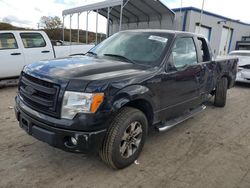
{"type": "Point", "coordinates": [243, 74]}
{"type": "Point", "coordinates": [20, 48]}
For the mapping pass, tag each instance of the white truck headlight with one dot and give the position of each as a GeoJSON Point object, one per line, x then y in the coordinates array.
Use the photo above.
{"type": "Point", "coordinates": [76, 102]}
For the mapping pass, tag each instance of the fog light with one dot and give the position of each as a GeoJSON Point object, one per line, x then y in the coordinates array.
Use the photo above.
{"type": "Point", "coordinates": [73, 141]}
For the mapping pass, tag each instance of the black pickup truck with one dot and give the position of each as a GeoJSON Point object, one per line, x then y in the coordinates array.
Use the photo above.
{"type": "Point", "coordinates": [107, 99]}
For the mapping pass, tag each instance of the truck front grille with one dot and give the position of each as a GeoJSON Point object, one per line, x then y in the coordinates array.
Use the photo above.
{"type": "Point", "coordinates": [39, 94]}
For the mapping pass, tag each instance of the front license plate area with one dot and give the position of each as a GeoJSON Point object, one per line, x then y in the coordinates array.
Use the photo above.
{"type": "Point", "coordinates": [25, 124]}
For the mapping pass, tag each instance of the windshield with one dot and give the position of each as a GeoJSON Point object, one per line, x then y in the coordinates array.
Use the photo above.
{"type": "Point", "coordinates": [135, 47]}
{"type": "Point", "coordinates": [244, 58]}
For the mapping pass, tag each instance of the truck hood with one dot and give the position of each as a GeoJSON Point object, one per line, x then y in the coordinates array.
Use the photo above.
{"type": "Point", "coordinates": [85, 69]}
{"type": "Point", "coordinates": [88, 68]}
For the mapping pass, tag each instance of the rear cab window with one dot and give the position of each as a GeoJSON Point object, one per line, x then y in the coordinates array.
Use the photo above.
{"type": "Point", "coordinates": [7, 41]}
{"type": "Point", "coordinates": [32, 40]}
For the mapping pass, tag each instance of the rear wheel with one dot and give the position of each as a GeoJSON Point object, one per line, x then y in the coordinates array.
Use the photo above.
{"type": "Point", "coordinates": [221, 92]}
{"type": "Point", "coordinates": [125, 138]}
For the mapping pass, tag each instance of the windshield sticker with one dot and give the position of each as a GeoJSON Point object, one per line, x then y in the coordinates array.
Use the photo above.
{"type": "Point", "coordinates": [157, 38]}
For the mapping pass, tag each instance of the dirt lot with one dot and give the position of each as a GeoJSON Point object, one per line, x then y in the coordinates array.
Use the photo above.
{"type": "Point", "coordinates": [209, 150]}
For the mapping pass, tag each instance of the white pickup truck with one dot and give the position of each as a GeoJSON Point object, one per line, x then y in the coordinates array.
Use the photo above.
{"type": "Point", "coordinates": [20, 48]}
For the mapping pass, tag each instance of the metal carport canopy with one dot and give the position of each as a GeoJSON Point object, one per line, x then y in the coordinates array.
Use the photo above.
{"type": "Point", "coordinates": [93, 6]}
{"type": "Point", "coordinates": [122, 12]}
{"type": "Point", "coordinates": [132, 10]}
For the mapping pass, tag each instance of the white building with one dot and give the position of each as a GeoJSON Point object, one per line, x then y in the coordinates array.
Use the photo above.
{"type": "Point", "coordinates": [224, 34]}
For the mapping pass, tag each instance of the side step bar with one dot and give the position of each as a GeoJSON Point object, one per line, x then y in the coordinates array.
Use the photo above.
{"type": "Point", "coordinates": [173, 122]}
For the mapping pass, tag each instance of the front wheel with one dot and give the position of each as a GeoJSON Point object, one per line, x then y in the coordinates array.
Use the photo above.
{"type": "Point", "coordinates": [125, 138]}
{"type": "Point", "coordinates": [221, 92]}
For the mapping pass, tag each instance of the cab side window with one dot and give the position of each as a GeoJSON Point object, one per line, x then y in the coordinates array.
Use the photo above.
{"type": "Point", "coordinates": [7, 41]}
{"type": "Point", "coordinates": [33, 40]}
{"type": "Point", "coordinates": [184, 53]}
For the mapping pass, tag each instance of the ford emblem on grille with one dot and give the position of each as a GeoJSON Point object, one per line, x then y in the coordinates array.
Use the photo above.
{"type": "Point", "coordinates": [30, 90]}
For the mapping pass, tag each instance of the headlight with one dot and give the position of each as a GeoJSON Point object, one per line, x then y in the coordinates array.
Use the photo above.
{"type": "Point", "coordinates": [76, 102]}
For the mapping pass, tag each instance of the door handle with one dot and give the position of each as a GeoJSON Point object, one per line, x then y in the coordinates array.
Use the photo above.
{"type": "Point", "coordinates": [15, 54]}
{"type": "Point", "coordinates": [45, 51]}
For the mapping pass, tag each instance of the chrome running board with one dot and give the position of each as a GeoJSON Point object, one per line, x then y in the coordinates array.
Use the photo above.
{"type": "Point", "coordinates": [173, 122]}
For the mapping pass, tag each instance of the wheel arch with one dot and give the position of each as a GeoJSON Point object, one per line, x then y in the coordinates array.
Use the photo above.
{"type": "Point", "coordinates": [138, 97]}
{"type": "Point", "coordinates": [144, 106]}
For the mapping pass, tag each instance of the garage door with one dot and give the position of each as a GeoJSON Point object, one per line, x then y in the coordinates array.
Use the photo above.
{"type": "Point", "coordinates": [205, 31]}
{"type": "Point", "coordinates": [225, 41]}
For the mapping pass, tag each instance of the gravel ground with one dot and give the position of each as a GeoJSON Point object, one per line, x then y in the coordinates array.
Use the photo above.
{"type": "Point", "coordinates": [210, 150]}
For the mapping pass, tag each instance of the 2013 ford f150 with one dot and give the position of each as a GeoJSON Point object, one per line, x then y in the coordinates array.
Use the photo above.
{"type": "Point", "coordinates": [107, 99]}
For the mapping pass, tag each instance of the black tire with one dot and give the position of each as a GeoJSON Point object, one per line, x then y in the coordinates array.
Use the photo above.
{"type": "Point", "coordinates": [221, 92]}
{"type": "Point", "coordinates": [110, 152]}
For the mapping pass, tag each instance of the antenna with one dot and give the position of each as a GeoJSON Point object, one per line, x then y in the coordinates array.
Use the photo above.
{"type": "Point", "coordinates": [202, 9]}
{"type": "Point", "coordinates": [181, 14]}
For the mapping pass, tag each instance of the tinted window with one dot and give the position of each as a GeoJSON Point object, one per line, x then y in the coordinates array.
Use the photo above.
{"type": "Point", "coordinates": [184, 53]}
{"type": "Point", "coordinates": [142, 48]}
{"type": "Point", "coordinates": [7, 41]}
{"type": "Point", "coordinates": [33, 40]}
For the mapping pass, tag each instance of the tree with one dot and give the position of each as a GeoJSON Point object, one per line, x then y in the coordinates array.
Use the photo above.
{"type": "Point", "coordinates": [49, 22]}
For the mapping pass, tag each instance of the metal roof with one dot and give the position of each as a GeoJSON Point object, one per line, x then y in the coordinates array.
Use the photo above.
{"type": "Point", "coordinates": [132, 12]}
{"type": "Point", "coordinates": [209, 14]}
{"type": "Point", "coordinates": [93, 6]}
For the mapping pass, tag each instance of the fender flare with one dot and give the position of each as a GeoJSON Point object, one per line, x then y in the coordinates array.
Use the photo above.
{"type": "Point", "coordinates": [132, 93]}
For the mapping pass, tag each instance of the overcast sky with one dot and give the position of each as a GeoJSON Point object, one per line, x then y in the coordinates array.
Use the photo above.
{"type": "Point", "coordinates": [27, 13]}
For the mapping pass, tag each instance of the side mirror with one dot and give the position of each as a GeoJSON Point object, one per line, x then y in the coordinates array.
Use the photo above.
{"type": "Point", "coordinates": [170, 64]}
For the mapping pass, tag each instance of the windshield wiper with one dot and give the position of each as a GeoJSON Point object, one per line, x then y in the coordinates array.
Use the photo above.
{"type": "Point", "coordinates": [121, 57]}
{"type": "Point", "coordinates": [92, 53]}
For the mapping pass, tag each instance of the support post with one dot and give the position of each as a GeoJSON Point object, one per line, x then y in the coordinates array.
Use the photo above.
{"type": "Point", "coordinates": [112, 27]}
{"type": "Point", "coordinates": [70, 28]}
{"type": "Point", "coordinates": [96, 40]}
{"type": "Point", "coordinates": [87, 25]}
{"type": "Point", "coordinates": [120, 27]}
{"type": "Point", "coordinates": [107, 33]}
{"type": "Point", "coordinates": [63, 28]}
{"type": "Point", "coordinates": [78, 32]}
